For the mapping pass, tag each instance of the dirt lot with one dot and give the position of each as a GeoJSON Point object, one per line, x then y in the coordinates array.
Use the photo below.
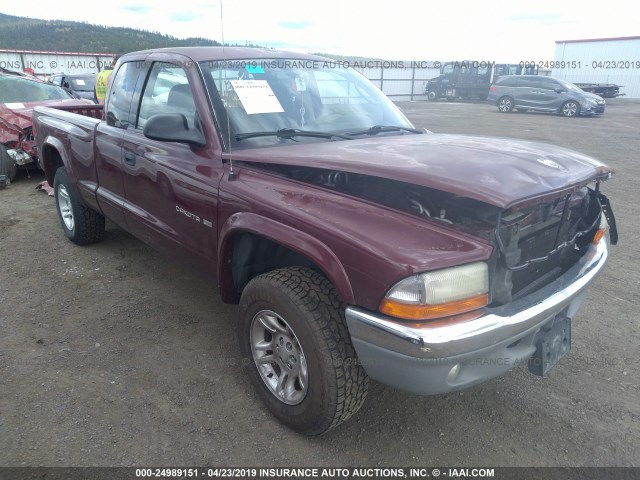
{"type": "Point", "coordinates": [114, 355]}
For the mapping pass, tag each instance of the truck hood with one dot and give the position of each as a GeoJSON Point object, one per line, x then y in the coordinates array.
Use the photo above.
{"type": "Point", "coordinates": [16, 117]}
{"type": "Point", "coordinates": [497, 171]}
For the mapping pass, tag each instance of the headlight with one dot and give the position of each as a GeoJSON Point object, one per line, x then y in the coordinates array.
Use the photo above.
{"type": "Point", "coordinates": [440, 293]}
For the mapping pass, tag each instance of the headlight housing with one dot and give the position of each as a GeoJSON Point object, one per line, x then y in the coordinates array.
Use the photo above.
{"type": "Point", "coordinates": [440, 293]}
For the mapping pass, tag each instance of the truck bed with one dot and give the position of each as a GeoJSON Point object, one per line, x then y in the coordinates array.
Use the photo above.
{"type": "Point", "coordinates": [93, 111]}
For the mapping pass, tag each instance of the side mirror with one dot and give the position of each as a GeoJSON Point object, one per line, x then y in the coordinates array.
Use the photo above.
{"type": "Point", "coordinates": [173, 127]}
{"type": "Point", "coordinates": [559, 90]}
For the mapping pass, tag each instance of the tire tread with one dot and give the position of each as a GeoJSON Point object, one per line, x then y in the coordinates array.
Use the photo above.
{"type": "Point", "coordinates": [89, 224]}
{"type": "Point", "coordinates": [312, 292]}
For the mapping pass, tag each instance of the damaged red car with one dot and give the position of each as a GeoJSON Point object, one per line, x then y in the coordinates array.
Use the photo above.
{"type": "Point", "coordinates": [19, 95]}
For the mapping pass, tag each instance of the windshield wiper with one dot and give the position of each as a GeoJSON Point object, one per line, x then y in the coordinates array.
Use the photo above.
{"type": "Point", "coordinates": [384, 128]}
{"type": "Point", "coordinates": [290, 133]}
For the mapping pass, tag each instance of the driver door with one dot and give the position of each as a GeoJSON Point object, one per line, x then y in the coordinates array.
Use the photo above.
{"type": "Point", "coordinates": [171, 187]}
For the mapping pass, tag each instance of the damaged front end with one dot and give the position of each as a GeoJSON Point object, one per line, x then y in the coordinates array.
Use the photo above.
{"type": "Point", "coordinates": [534, 241]}
{"type": "Point", "coordinates": [17, 145]}
{"type": "Point", "coordinates": [20, 153]}
{"type": "Point", "coordinates": [534, 245]}
{"type": "Point", "coordinates": [24, 151]}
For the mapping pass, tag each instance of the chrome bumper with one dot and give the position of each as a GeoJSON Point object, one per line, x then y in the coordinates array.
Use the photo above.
{"type": "Point", "coordinates": [421, 359]}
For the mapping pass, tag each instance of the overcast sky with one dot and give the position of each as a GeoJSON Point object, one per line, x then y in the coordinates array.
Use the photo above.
{"type": "Point", "coordinates": [504, 31]}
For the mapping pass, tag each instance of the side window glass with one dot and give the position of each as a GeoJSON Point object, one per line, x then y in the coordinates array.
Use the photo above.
{"type": "Point", "coordinates": [167, 91]}
{"type": "Point", "coordinates": [544, 84]}
{"type": "Point", "coordinates": [527, 82]}
{"type": "Point", "coordinates": [121, 91]}
{"type": "Point", "coordinates": [549, 84]}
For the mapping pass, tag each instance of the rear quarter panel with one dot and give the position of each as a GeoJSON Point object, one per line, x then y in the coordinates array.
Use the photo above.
{"type": "Point", "coordinates": [66, 137]}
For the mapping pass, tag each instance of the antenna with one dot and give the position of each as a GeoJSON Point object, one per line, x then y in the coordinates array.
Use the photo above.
{"type": "Point", "coordinates": [232, 173]}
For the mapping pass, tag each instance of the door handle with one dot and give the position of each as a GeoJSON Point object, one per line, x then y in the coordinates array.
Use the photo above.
{"type": "Point", "coordinates": [130, 158]}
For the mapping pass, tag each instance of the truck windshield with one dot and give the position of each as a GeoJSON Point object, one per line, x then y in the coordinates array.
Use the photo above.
{"type": "Point", "coordinates": [271, 95]}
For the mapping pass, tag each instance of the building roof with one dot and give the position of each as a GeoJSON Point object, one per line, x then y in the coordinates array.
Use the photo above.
{"type": "Point", "coordinates": [585, 40]}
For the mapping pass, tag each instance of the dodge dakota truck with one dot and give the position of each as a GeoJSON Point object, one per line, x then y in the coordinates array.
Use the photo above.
{"type": "Point", "coordinates": [356, 245]}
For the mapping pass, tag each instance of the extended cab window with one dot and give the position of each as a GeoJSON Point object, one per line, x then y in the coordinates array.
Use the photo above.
{"type": "Point", "coordinates": [121, 93]}
{"type": "Point", "coordinates": [167, 91]}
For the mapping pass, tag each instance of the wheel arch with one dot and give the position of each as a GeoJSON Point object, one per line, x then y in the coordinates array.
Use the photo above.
{"type": "Point", "coordinates": [53, 156]}
{"type": "Point", "coordinates": [301, 245]}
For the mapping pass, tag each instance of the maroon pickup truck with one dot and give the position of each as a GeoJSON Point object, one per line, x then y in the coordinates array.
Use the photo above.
{"type": "Point", "coordinates": [356, 245]}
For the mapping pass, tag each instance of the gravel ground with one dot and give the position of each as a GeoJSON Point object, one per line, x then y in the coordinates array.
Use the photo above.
{"type": "Point", "coordinates": [112, 355]}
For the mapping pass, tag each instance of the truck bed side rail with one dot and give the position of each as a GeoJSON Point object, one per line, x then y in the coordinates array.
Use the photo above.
{"type": "Point", "coordinates": [93, 111]}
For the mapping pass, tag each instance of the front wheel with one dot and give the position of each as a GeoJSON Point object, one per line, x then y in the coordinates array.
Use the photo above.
{"type": "Point", "coordinates": [296, 346]}
{"type": "Point", "coordinates": [505, 104]}
{"type": "Point", "coordinates": [570, 109]}
{"type": "Point", "coordinates": [81, 225]}
{"type": "Point", "coordinates": [432, 96]}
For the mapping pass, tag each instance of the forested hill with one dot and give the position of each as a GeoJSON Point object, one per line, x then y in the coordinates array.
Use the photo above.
{"type": "Point", "coordinates": [21, 33]}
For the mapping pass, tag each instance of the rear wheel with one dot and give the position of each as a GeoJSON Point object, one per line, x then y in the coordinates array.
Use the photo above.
{"type": "Point", "coordinates": [81, 225]}
{"type": "Point", "coordinates": [297, 350]}
{"type": "Point", "coordinates": [505, 104]}
{"type": "Point", "coordinates": [570, 109]}
{"type": "Point", "coordinates": [432, 96]}
{"type": "Point", "coordinates": [8, 165]}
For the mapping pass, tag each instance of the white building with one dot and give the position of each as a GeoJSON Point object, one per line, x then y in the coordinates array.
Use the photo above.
{"type": "Point", "coordinates": [600, 60]}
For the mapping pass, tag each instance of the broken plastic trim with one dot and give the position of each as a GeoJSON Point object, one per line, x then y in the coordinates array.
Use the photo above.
{"type": "Point", "coordinates": [558, 248]}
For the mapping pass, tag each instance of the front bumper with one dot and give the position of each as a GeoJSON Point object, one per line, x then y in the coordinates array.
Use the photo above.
{"type": "Point", "coordinates": [597, 109]}
{"type": "Point", "coordinates": [439, 359]}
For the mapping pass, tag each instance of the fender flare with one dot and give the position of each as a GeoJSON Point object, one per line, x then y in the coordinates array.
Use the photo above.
{"type": "Point", "coordinates": [296, 240]}
{"type": "Point", "coordinates": [54, 143]}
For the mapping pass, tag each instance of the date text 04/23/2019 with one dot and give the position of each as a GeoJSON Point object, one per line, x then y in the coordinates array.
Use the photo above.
{"type": "Point", "coordinates": [576, 64]}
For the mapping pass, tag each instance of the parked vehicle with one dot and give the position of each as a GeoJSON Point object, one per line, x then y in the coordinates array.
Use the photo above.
{"type": "Point", "coordinates": [19, 94]}
{"type": "Point", "coordinates": [356, 245]}
{"type": "Point", "coordinates": [80, 85]}
{"type": "Point", "coordinates": [543, 94]}
{"type": "Point", "coordinates": [471, 79]}
{"type": "Point", "coordinates": [605, 90]}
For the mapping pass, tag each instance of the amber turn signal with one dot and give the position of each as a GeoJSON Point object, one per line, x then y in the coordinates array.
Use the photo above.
{"type": "Point", "coordinates": [598, 236]}
{"type": "Point", "coordinates": [427, 312]}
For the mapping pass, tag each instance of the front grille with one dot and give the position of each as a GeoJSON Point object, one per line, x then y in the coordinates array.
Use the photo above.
{"type": "Point", "coordinates": [537, 244]}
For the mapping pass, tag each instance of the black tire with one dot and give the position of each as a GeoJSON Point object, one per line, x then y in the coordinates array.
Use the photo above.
{"type": "Point", "coordinates": [505, 104]}
{"type": "Point", "coordinates": [307, 303]}
{"type": "Point", "coordinates": [8, 165]}
{"type": "Point", "coordinates": [81, 224]}
{"type": "Point", "coordinates": [432, 96]}
{"type": "Point", "coordinates": [570, 108]}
